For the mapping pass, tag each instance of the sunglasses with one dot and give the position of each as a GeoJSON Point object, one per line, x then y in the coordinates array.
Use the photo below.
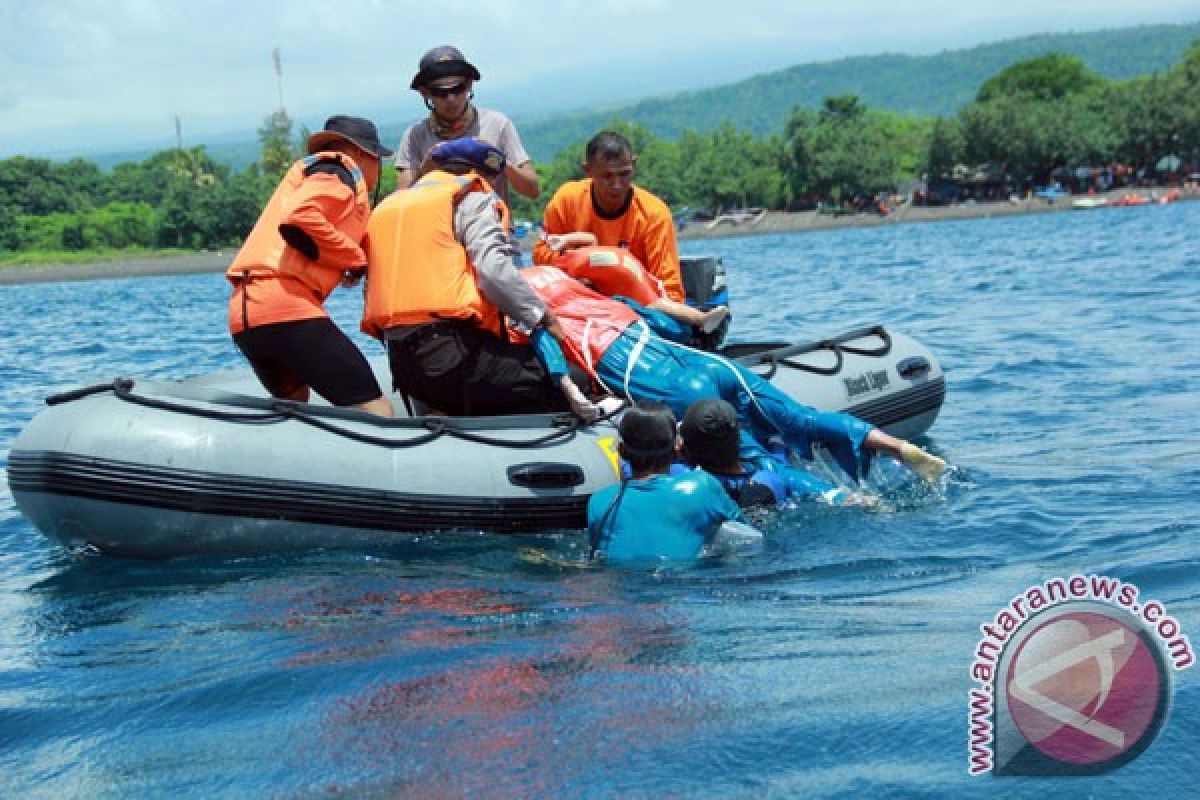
{"type": "Point", "coordinates": [446, 91]}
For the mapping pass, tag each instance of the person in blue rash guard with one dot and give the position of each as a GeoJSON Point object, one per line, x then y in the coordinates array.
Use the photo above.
{"type": "Point", "coordinates": [752, 475]}
{"type": "Point", "coordinates": [655, 516]}
{"type": "Point", "coordinates": [617, 348]}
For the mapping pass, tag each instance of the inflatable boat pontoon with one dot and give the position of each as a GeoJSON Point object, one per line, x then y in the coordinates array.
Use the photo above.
{"type": "Point", "coordinates": [210, 465]}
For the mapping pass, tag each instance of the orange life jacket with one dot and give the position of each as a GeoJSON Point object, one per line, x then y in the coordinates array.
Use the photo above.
{"type": "Point", "coordinates": [611, 271]}
{"type": "Point", "coordinates": [417, 269]}
{"type": "Point", "coordinates": [265, 252]}
{"type": "Point", "coordinates": [590, 321]}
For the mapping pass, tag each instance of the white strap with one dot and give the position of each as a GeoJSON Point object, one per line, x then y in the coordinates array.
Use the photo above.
{"type": "Point", "coordinates": [643, 337]}
{"type": "Point", "coordinates": [729, 366]}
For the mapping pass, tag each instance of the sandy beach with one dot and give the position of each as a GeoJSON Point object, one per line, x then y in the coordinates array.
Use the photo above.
{"type": "Point", "coordinates": [769, 222]}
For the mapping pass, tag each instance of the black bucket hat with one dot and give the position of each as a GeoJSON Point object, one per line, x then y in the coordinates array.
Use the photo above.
{"type": "Point", "coordinates": [356, 130]}
{"type": "Point", "coordinates": [443, 62]}
{"type": "Point", "coordinates": [710, 432]}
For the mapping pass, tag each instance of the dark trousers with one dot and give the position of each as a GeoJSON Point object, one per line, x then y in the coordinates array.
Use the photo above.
{"type": "Point", "coordinates": [461, 370]}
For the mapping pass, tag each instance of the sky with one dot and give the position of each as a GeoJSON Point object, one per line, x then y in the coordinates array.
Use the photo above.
{"type": "Point", "coordinates": [82, 76]}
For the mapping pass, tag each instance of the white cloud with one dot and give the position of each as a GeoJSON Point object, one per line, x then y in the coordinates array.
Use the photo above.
{"type": "Point", "coordinates": [78, 73]}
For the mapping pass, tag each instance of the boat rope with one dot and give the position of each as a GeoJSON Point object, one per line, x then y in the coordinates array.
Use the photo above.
{"type": "Point", "coordinates": [278, 410]}
{"type": "Point", "coordinates": [836, 346]}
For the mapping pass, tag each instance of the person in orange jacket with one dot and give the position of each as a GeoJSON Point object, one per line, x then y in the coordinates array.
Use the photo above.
{"type": "Point", "coordinates": [442, 282]}
{"type": "Point", "coordinates": [606, 208]}
{"type": "Point", "coordinates": [308, 240]}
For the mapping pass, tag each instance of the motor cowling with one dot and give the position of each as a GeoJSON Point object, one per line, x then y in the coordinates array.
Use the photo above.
{"type": "Point", "coordinates": [705, 288]}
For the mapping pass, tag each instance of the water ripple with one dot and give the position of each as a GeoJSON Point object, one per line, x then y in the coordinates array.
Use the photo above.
{"type": "Point", "coordinates": [831, 662]}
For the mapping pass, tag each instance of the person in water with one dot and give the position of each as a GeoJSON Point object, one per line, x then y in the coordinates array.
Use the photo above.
{"type": "Point", "coordinates": [653, 515]}
{"type": "Point", "coordinates": [307, 242]}
{"type": "Point", "coordinates": [617, 349]}
{"type": "Point", "coordinates": [607, 209]}
{"type": "Point", "coordinates": [752, 475]}
{"type": "Point", "coordinates": [446, 81]}
{"type": "Point", "coordinates": [442, 280]}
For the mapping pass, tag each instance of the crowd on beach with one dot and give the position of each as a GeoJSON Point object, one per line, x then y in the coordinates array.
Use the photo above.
{"type": "Point", "coordinates": [597, 325]}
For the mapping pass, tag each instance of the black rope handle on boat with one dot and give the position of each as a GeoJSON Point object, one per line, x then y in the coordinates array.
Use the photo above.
{"type": "Point", "coordinates": [833, 347]}
{"type": "Point", "coordinates": [836, 346]}
{"type": "Point", "coordinates": [281, 410]}
{"type": "Point", "coordinates": [870, 352]}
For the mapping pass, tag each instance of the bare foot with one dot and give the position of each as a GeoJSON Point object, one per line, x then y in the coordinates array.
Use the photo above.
{"type": "Point", "coordinates": [927, 465]}
{"type": "Point", "coordinates": [714, 318]}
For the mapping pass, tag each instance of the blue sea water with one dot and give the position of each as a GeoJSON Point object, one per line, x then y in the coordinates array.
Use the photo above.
{"type": "Point", "coordinates": [835, 662]}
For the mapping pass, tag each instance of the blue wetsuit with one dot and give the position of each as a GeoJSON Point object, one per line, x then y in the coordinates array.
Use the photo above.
{"type": "Point", "coordinates": [641, 365]}
{"type": "Point", "coordinates": [769, 479]}
{"type": "Point", "coordinates": [555, 363]}
{"type": "Point", "coordinates": [644, 366]}
{"type": "Point", "coordinates": [660, 517]}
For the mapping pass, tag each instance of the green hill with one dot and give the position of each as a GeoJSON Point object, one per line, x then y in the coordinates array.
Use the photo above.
{"type": "Point", "coordinates": [926, 85]}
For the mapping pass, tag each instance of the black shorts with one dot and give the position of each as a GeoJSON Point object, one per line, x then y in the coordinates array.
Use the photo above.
{"type": "Point", "coordinates": [287, 356]}
{"type": "Point", "coordinates": [459, 369]}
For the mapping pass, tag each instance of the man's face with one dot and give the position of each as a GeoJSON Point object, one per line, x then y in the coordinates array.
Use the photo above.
{"type": "Point", "coordinates": [611, 180]}
{"type": "Point", "coordinates": [370, 165]}
{"type": "Point", "coordinates": [448, 95]}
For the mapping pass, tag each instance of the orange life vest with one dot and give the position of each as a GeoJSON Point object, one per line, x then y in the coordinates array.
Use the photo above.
{"type": "Point", "coordinates": [590, 321]}
{"type": "Point", "coordinates": [265, 252]}
{"type": "Point", "coordinates": [611, 271]}
{"type": "Point", "coordinates": [417, 269]}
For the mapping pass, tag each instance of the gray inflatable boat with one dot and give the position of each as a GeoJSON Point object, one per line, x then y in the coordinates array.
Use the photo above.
{"type": "Point", "coordinates": [210, 465]}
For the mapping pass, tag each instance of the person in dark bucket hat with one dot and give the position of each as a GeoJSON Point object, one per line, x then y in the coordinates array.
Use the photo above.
{"type": "Point", "coordinates": [446, 80]}
{"type": "Point", "coordinates": [443, 62]}
{"type": "Point", "coordinates": [307, 242]}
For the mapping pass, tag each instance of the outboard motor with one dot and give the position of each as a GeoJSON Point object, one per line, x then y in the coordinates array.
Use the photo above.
{"type": "Point", "coordinates": [704, 285]}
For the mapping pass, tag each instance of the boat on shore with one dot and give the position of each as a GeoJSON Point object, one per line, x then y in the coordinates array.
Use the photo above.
{"type": "Point", "coordinates": [212, 466]}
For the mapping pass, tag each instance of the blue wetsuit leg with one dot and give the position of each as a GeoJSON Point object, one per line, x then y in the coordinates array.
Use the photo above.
{"type": "Point", "coordinates": [679, 375]}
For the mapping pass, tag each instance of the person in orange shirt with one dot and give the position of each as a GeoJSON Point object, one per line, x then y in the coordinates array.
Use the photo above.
{"type": "Point", "coordinates": [606, 208]}
{"type": "Point", "coordinates": [307, 241]}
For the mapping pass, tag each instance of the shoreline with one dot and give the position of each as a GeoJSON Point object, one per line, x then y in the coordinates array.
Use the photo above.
{"type": "Point", "coordinates": [770, 222]}
{"type": "Point", "coordinates": [142, 266]}
{"type": "Point", "coordinates": [800, 221]}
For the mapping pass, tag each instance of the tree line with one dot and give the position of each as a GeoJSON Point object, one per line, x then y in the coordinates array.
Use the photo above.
{"type": "Point", "coordinates": [1027, 124]}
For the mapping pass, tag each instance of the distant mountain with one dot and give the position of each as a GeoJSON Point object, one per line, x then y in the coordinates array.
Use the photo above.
{"type": "Point", "coordinates": [925, 85]}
